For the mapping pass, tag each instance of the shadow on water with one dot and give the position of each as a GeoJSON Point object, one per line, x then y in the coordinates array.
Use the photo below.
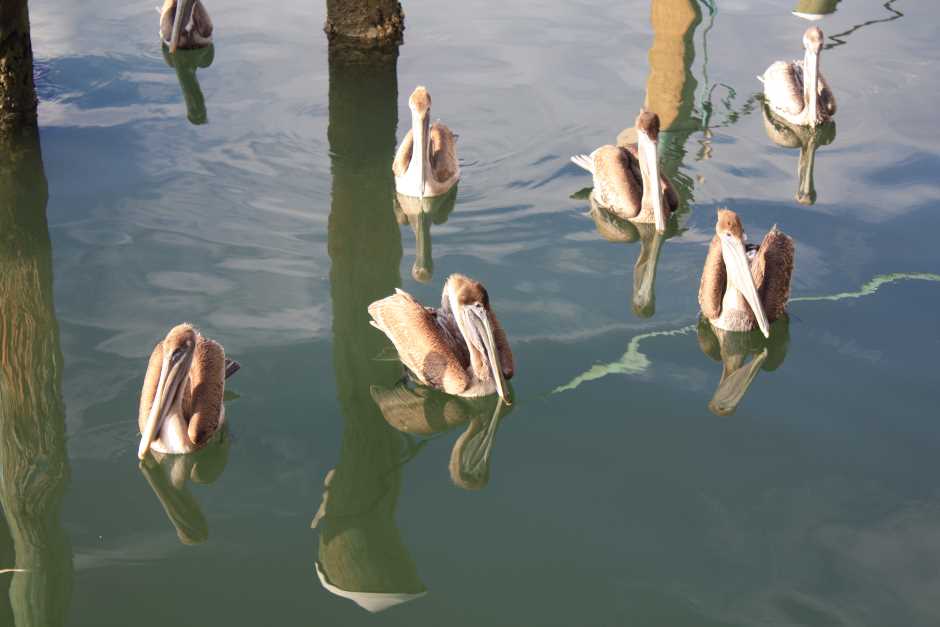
{"type": "Point", "coordinates": [34, 466]}
{"type": "Point", "coordinates": [186, 62]}
{"type": "Point", "coordinates": [361, 554]}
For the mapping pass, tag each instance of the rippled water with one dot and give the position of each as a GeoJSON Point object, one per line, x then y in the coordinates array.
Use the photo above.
{"type": "Point", "coordinates": [615, 491]}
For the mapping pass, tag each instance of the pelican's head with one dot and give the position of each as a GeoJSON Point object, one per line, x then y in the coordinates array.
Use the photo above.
{"type": "Point", "coordinates": [813, 39]}
{"type": "Point", "coordinates": [469, 303]}
{"type": "Point", "coordinates": [184, 12]}
{"type": "Point", "coordinates": [647, 134]}
{"type": "Point", "coordinates": [178, 349]}
{"type": "Point", "coordinates": [420, 101]}
{"type": "Point", "coordinates": [731, 235]}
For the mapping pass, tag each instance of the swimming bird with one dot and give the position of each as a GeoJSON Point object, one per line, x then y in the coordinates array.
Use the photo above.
{"type": "Point", "coordinates": [181, 400]}
{"type": "Point", "coordinates": [623, 176]}
{"type": "Point", "coordinates": [426, 161]}
{"type": "Point", "coordinates": [743, 285]}
{"type": "Point", "coordinates": [185, 24]}
{"type": "Point", "coordinates": [796, 90]}
{"type": "Point", "coordinates": [459, 348]}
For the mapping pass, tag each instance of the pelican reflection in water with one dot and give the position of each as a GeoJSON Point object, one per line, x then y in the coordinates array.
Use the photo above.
{"type": "Point", "coordinates": [796, 90]}
{"type": "Point", "coordinates": [426, 161]}
{"type": "Point", "coordinates": [731, 348]}
{"type": "Point", "coordinates": [186, 62]}
{"type": "Point", "coordinates": [627, 179]}
{"type": "Point", "coordinates": [420, 411]}
{"type": "Point", "coordinates": [185, 24]}
{"type": "Point", "coordinates": [459, 348]}
{"type": "Point", "coordinates": [808, 139]}
{"type": "Point", "coordinates": [743, 285]}
{"type": "Point", "coordinates": [168, 476]}
{"type": "Point", "coordinates": [615, 229]}
{"type": "Point", "coordinates": [181, 404]}
{"type": "Point", "coordinates": [420, 213]}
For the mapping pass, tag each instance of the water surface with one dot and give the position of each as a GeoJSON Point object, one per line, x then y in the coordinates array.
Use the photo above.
{"type": "Point", "coordinates": [249, 191]}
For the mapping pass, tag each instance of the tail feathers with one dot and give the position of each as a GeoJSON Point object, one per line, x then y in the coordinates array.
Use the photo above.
{"type": "Point", "coordinates": [231, 367]}
{"type": "Point", "coordinates": [584, 161]}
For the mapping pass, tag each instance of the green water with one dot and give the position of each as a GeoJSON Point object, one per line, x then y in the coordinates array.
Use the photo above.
{"type": "Point", "coordinates": [647, 474]}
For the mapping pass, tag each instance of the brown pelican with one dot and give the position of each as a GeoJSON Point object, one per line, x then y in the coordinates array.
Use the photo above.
{"type": "Point", "coordinates": [420, 411]}
{"type": "Point", "coordinates": [796, 90]}
{"type": "Point", "coordinates": [186, 27]}
{"type": "Point", "coordinates": [731, 348]}
{"type": "Point", "coordinates": [808, 139]}
{"type": "Point", "coordinates": [181, 400]}
{"type": "Point", "coordinates": [431, 169]}
{"type": "Point", "coordinates": [622, 176]}
{"type": "Point", "coordinates": [460, 348]}
{"type": "Point", "coordinates": [740, 287]}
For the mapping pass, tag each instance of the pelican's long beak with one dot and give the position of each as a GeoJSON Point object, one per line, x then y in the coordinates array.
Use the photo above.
{"type": "Point", "coordinates": [647, 148]}
{"type": "Point", "coordinates": [183, 10]}
{"type": "Point", "coordinates": [480, 322]}
{"type": "Point", "coordinates": [810, 86]}
{"type": "Point", "coordinates": [172, 375]}
{"type": "Point", "coordinates": [424, 148]}
{"type": "Point", "coordinates": [739, 273]}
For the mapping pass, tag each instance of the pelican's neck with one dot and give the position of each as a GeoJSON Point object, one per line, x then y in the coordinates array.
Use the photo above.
{"type": "Point", "coordinates": [810, 80]}
{"type": "Point", "coordinates": [419, 166]}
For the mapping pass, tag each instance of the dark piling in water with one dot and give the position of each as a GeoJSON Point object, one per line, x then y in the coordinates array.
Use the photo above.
{"type": "Point", "coordinates": [17, 90]}
{"type": "Point", "coordinates": [374, 22]}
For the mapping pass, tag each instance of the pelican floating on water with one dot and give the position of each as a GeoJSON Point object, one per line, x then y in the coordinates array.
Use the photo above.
{"type": "Point", "coordinates": [460, 348]}
{"type": "Point", "coordinates": [181, 400]}
{"type": "Point", "coordinates": [741, 287]}
{"type": "Point", "coordinates": [623, 177]}
{"type": "Point", "coordinates": [796, 90]}
{"type": "Point", "coordinates": [186, 27]}
{"type": "Point", "coordinates": [426, 161]}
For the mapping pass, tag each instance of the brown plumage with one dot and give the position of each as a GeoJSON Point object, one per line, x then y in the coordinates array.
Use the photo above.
{"type": "Point", "coordinates": [786, 93]}
{"type": "Point", "coordinates": [196, 30]}
{"type": "Point", "coordinates": [440, 153]}
{"type": "Point", "coordinates": [623, 178]}
{"type": "Point", "coordinates": [448, 348]}
{"type": "Point", "coordinates": [194, 369]}
{"type": "Point", "coordinates": [770, 269]}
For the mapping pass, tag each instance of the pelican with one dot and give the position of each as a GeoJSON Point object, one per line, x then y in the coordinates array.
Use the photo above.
{"type": "Point", "coordinates": [432, 169]}
{"type": "Point", "coordinates": [623, 176]}
{"type": "Point", "coordinates": [797, 91]}
{"type": "Point", "coordinates": [460, 348]}
{"type": "Point", "coordinates": [740, 287]}
{"type": "Point", "coordinates": [181, 400]}
{"type": "Point", "coordinates": [189, 27]}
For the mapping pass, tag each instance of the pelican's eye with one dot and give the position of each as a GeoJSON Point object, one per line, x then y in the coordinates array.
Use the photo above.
{"type": "Point", "coordinates": [177, 355]}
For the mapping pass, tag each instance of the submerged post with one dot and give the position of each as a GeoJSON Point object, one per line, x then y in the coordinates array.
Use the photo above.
{"type": "Point", "coordinates": [17, 91]}
{"type": "Point", "coordinates": [365, 21]}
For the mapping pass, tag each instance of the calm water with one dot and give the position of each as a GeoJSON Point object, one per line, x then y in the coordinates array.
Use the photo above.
{"type": "Point", "coordinates": [613, 493]}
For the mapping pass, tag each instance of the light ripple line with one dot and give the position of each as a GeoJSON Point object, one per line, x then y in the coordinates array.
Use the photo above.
{"type": "Point", "coordinates": [633, 362]}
